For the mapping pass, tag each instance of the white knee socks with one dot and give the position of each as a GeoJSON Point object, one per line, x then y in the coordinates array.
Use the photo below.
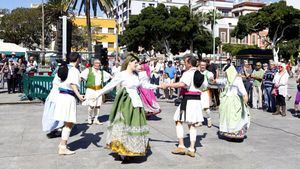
{"type": "Point", "coordinates": [90, 113]}
{"type": "Point", "coordinates": [179, 131]}
{"type": "Point", "coordinates": [193, 134]}
{"type": "Point", "coordinates": [65, 134]}
{"type": "Point", "coordinates": [207, 111]}
{"type": "Point", "coordinates": [96, 112]}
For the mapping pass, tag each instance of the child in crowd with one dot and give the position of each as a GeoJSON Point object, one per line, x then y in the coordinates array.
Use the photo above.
{"type": "Point", "coordinates": [166, 80]}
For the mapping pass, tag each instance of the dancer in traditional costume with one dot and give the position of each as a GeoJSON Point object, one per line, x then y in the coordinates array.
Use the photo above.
{"type": "Point", "coordinates": [95, 78]}
{"type": "Point", "coordinates": [205, 94]}
{"type": "Point", "coordinates": [127, 128]}
{"type": "Point", "coordinates": [51, 126]}
{"type": "Point", "coordinates": [190, 109]}
{"type": "Point", "coordinates": [65, 106]}
{"type": "Point", "coordinates": [148, 97]}
{"type": "Point", "coordinates": [234, 114]}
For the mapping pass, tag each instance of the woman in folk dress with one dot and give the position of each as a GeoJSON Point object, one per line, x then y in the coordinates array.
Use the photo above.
{"type": "Point", "coordinates": [234, 114]}
{"type": "Point", "coordinates": [127, 128]}
{"type": "Point", "coordinates": [148, 97]}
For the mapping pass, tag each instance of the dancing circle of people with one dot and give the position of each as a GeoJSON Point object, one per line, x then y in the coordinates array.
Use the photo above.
{"type": "Point", "coordinates": [127, 130]}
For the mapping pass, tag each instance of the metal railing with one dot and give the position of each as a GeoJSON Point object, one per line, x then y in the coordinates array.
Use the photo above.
{"type": "Point", "coordinates": [38, 87]}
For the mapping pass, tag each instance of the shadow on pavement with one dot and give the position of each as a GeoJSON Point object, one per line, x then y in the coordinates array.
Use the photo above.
{"type": "Point", "coordinates": [103, 118]}
{"type": "Point", "coordinates": [86, 138]}
{"type": "Point", "coordinates": [78, 128]}
{"type": "Point", "coordinates": [153, 118]}
{"type": "Point", "coordinates": [294, 113]}
{"type": "Point", "coordinates": [234, 140]}
{"type": "Point", "coordinates": [198, 139]}
{"type": "Point", "coordinates": [132, 160]}
{"type": "Point", "coordinates": [164, 141]}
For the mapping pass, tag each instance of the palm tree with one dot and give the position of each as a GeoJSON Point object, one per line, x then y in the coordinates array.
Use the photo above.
{"type": "Point", "coordinates": [57, 8]}
{"type": "Point", "coordinates": [105, 5]}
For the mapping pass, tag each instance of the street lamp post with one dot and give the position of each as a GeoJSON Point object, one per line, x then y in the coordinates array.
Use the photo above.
{"type": "Point", "coordinates": [214, 39]}
{"type": "Point", "coordinates": [117, 31]}
{"type": "Point", "coordinates": [43, 34]}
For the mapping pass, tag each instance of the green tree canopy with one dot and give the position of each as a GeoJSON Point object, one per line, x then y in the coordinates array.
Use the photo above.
{"type": "Point", "coordinates": [281, 21]}
{"type": "Point", "coordinates": [24, 26]}
{"type": "Point", "coordinates": [167, 31]}
{"type": "Point", "coordinates": [233, 49]}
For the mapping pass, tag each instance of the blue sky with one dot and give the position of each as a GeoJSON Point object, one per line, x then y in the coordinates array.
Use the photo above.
{"type": "Point", "coordinates": [11, 4]}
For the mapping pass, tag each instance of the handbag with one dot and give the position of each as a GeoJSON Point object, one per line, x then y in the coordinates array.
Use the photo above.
{"type": "Point", "coordinates": [275, 91]}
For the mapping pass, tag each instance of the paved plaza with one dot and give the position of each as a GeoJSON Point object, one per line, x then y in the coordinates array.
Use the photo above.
{"type": "Point", "coordinates": [273, 142]}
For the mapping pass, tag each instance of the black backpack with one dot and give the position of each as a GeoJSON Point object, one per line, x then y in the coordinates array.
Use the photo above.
{"type": "Point", "coordinates": [198, 79]}
{"type": "Point", "coordinates": [63, 71]}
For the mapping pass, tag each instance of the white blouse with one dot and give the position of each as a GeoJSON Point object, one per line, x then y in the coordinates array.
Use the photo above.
{"type": "Point", "coordinates": [131, 82]}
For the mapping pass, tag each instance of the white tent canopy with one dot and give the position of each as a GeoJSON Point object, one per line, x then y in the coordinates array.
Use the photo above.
{"type": "Point", "coordinates": [8, 48]}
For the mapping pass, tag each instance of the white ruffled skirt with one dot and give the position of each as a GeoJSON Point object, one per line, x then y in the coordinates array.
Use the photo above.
{"type": "Point", "coordinates": [65, 108]}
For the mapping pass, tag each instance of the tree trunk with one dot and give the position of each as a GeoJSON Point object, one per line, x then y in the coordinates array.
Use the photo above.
{"type": "Point", "coordinates": [275, 53]}
{"type": "Point", "coordinates": [192, 47]}
{"type": "Point", "coordinates": [88, 24]}
{"type": "Point", "coordinates": [166, 44]}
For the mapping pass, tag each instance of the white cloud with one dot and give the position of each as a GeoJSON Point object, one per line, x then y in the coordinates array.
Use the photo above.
{"type": "Point", "coordinates": [294, 3]}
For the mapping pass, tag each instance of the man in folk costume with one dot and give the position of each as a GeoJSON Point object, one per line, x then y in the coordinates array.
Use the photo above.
{"type": "Point", "coordinates": [95, 78]}
{"type": "Point", "coordinates": [190, 109]}
{"type": "Point", "coordinates": [205, 97]}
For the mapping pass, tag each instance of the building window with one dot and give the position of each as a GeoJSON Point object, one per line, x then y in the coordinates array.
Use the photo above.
{"type": "Point", "coordinates": [169, 0]}
{"type": "Point", "coordinates": [97, 30]}
{"type": "Point", "coordinates": [111, 44]}
{"type": "Point", "coordinates": [223, 37]}
{"type": "Point", "coordinates": [253, 40]}
{"type": "Point", "coordinates": [111, 30]}
{"type": "Point", "coordinates": [151, 5]}
{"type": "Point", "coordinates": [143, 5]}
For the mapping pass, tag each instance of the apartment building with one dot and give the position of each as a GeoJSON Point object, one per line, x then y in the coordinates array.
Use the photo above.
{"type": "Point", "coordinates": [104, 28]}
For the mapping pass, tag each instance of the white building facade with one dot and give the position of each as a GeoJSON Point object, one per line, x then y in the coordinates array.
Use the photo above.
{"type": "Point", "coordinates": [229, 12]}
{"type": "Point", "coordinates": [126, 8]}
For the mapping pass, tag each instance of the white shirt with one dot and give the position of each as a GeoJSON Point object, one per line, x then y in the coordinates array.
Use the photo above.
{"type": "Point", "coordinates": [157, 69]}
{"type": "Point", "coordinates": [131, 82]}
{"type": "Point", "coordinates": [281, 81]}
{"type": "Point", "coordinates": [115, 70]}
{"type": "Point", "coordinates": [98, 75]}
{"type": "Point", "coordinates": [207, 75]}
{"type": "Point", "coordinates": [31, 66]}
{"type": "Point", "coordinates": [73, 78]}
{"type": "Point", "coordinates": [188, 79]}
